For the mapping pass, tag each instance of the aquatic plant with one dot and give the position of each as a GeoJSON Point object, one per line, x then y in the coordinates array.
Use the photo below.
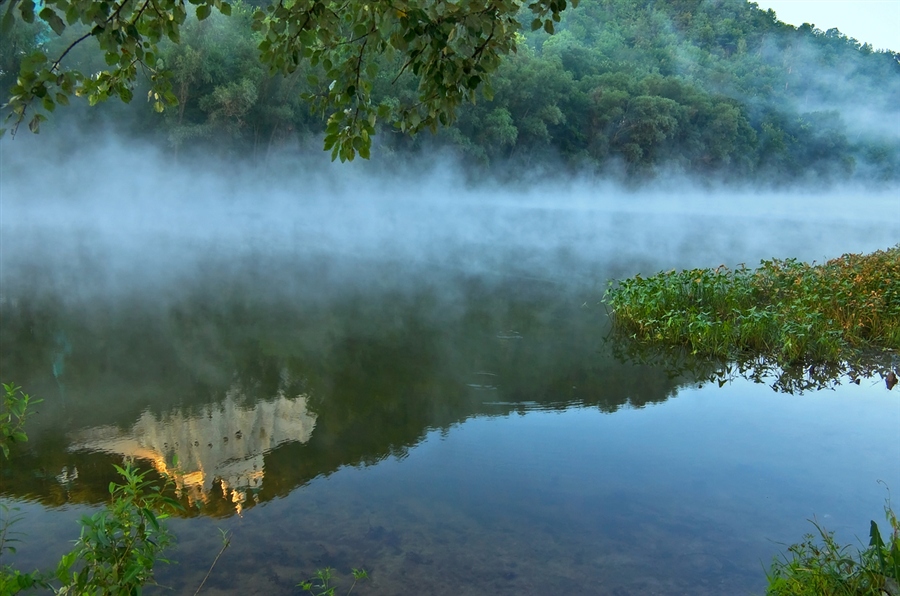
{"type": "Point", "coordinates": [786, 310]}
{"type": "Point", "coordinates": [322, 584]}
{"type": "Point", "coordinates": [12, 580]}
{"type": "Point", "coordinates": [120, 544]}
{"type": "Point", "coordinates": [14, 410]}
{"type": "Point", "coordinates": [12, 419]}
{"type": "Point", "coordinates": [226, 542]}
{"type": "Point", "coordinates": [819, 566]}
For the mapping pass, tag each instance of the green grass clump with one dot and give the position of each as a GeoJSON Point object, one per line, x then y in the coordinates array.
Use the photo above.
{"type": "Point", "coordinates": [822, 567]}
{"type": "Point", "coordinates": [786, 310]}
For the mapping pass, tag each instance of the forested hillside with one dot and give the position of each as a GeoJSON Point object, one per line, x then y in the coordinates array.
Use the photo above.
{"type": "Point", "coordinates": [699, 85]}
{"type": "Point", "coordinates": [710, 87]}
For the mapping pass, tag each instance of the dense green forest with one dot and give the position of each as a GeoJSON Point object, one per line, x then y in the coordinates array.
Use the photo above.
{"type": "Point", "coordinates": [718, 88]}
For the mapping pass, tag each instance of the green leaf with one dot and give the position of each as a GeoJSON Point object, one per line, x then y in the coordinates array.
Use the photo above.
{"type": "Point", "coordinates": [151, 518]}
{"type": "Point", "coordinates": [203, 11]}
{"type": "Point", "coordinates": [33, 61]}
{"type": "Point", "coordinates": [9, 19]}
{"type": "Point", "coordinates": [27, 11]}
{"type": "Point", "coordinates": [72, 14]}
{"type": "Point", "coordinates": [225, 9]}
{"type": "Point", "coordinates": [875, 536]}
{"type": "Point", "coordinates": [52, 19]}
{"type": "Point", "coordinates": [132, 573]}
{"type": "Point", "coordinates": [536, 24]}
{"type": "Point", "coordinates": [65, 563]}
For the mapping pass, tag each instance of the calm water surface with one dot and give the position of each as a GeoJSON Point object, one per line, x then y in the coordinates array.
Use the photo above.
{"type": "Point", "coordinates": [421, 388]}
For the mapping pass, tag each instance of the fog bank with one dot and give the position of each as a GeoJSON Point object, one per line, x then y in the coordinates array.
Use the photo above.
{"type": "Point", "coordinates": [114, 216]}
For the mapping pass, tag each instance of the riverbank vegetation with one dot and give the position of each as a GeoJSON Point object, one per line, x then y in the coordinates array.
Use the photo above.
{"type": "Point", "coordinates": [15, 411]}
{"type": "Point", "coordinates": [789, 312]}
{"type": "Point", "coordinates": [121, 543]}
{"type": "Point", "coordinates": [820, 566]}
{"type": "Point", "coordinates": [623, 87]}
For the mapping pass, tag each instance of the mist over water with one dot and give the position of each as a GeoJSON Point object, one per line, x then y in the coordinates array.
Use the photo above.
{"type": "Point", "coordinates": [112, 217]}
{"type": "Point", "coordinates": [401, 366]}
{"type": "Point", "coordinates": [464, 427]}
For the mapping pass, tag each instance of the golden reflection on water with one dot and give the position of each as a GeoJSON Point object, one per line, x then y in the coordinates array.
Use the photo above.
{"type": "Point", "coordinates": [223, 442]}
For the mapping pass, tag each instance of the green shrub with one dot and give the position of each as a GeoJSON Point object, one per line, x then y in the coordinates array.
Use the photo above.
{"type": "Point", "coordinates": [120, 544]}
{"type": "Point", "coordinates": [14, 412]}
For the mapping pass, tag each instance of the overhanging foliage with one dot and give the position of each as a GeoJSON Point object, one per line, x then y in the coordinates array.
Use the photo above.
{"type": "Point", "coordinates": [451, 48]}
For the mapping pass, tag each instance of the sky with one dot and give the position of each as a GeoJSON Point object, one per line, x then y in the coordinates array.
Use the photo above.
{"type": "Point", "coordinates": [873, 21]}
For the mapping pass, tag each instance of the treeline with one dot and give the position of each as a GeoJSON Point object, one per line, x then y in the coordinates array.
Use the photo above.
{"type": "Point", "coordinates": [699, 86]}
{"type": "Point", "coordinates": [716, 88]}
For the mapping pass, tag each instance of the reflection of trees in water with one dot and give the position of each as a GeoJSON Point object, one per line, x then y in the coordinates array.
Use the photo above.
{"type": "Point", "coordinates": [224, 444]}
{"type": "Point", "coordinates": [795, 379]}
{"type": "Point", "coordinates": [378, 370]}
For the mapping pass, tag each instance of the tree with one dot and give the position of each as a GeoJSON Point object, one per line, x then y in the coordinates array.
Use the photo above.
{"type": "Point", "coordinates": [450, 48]}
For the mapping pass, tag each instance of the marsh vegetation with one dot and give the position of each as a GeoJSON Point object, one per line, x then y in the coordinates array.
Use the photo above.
{"type": "Point", "coordinates": [819, 565]}
{"type": "Point", "coordinates": [841, 316]}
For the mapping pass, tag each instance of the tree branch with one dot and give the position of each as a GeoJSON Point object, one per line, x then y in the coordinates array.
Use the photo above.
{"type": "Point", "coordinates": [69, 49]}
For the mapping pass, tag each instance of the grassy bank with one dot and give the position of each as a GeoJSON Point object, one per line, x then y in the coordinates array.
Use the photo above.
{"type": "Point", "coordinates": [820, 566]}
{"type": "Point", "coordinates": [789, 311]}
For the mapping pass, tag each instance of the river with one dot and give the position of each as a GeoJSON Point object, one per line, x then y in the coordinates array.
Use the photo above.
{"type": "Point", "coordinates": [417, 378]}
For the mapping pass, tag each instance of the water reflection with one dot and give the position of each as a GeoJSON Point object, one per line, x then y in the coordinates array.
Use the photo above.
{"type": "Point", "coordinates": [447, 426]}
{"type": "Point", "coordinates": [334, 379]}
{"type": "Point", "coordinates": [798, 378]}
{"type": "Point", "coordinates": [371, 374]}
{"type": "Point", "coordinates": [223, 444]}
